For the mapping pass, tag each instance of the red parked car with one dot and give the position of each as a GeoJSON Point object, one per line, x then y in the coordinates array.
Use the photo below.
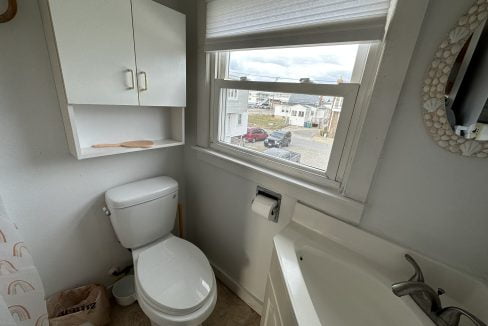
{"type": "Point", "coordinates": [254, 134]}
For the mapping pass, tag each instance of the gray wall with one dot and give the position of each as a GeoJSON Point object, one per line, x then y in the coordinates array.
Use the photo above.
{"type": "Point", "coordinates": [422, 197]}
{"type": "Point", "coordinates": [55, 199]}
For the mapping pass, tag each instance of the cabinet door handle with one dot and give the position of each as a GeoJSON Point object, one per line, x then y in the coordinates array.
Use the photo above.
{"type": "Point", "coordinates": [142, 81]}
{"type": "Point", "coordinates": [129, 75]}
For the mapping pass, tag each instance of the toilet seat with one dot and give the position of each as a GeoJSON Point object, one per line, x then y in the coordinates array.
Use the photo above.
{"type": "Point", "coordinates": [174, 277]}
{"type": "Point", "coordinates": [193, 319]}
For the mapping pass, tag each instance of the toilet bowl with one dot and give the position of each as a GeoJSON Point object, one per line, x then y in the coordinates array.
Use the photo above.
{"type": "Point", "coordinates": [175, 284]}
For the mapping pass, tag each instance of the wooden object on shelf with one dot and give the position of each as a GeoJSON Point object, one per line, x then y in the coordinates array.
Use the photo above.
{"type": "Point", "coordinates": [10, 13]}
{"type": "Point", "coordinates": [128, 144]}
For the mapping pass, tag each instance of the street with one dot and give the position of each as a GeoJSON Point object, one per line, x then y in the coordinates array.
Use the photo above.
{"type": "Point", "coordinates": [314, 149]}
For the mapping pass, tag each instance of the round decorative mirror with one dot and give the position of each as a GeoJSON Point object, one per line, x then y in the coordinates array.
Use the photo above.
{"type": "Point", "coordinates": [455, 92]}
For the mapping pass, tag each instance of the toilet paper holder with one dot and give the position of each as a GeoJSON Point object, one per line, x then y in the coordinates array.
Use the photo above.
{"type": "Point", "coordinates": [273, 195]}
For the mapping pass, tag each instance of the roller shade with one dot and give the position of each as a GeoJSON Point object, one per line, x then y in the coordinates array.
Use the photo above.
{"type": "Point", "coordinates": [237, 20]}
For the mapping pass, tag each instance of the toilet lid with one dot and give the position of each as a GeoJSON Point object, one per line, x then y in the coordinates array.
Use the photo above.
{"type": "Point", "coordinates": [175, 276]}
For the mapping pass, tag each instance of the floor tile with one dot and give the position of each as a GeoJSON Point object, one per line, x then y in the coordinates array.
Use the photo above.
{"type": "Point", "coordinates": [229, 311]}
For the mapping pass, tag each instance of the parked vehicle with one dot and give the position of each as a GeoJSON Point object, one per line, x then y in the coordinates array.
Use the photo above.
{"type": "Point", "coordinates": [284, 154]}
{"type": "Point", "coordinates": [254, 134]}
{"type": "Point", "coordinates": [278, 139]}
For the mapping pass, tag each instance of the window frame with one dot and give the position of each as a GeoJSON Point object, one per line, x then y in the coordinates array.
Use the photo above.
{"type": "Point", "coordinates": [378, 99]}
{"type": "Point", "coordinates": [341, 149]}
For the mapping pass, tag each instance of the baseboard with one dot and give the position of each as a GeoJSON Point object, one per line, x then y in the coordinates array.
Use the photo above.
{"type": "Point", "coordinates": [242, 293]}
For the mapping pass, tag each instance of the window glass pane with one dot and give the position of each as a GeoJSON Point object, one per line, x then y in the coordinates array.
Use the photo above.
{"type": "Point", "coordinates": [319, 64]}
{"type": "Point", "coordinates": [296, 128]}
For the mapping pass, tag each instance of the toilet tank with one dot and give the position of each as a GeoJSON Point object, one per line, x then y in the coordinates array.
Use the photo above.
{"type": "Point", "coordinates": [143, 211]}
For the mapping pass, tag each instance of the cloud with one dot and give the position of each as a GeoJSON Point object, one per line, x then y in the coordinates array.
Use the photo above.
{"type": "Point", "coordinates": [322, 64]}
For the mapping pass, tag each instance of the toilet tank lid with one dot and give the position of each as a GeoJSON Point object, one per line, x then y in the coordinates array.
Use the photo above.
{"type": "Point", "coordinates": [140, 192]}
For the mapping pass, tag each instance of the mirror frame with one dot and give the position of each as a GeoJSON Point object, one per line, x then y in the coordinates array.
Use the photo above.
{"type": "Point", "coordinates": [433, 92]}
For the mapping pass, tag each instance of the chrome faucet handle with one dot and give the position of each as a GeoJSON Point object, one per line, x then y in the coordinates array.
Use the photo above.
{"type": "Point", "coordinates": [425, 296]}
{"type": "Point", "coordinates": [418, 276]}
{"type": "Point", "coordinates": [452, 315]}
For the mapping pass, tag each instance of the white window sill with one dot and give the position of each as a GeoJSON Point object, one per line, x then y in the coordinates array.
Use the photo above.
{"type": "Point", "coordinates": [329, 201]}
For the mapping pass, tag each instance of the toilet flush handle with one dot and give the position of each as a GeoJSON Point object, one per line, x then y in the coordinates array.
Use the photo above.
{"type": "Point", "coordinates": [106, 211]}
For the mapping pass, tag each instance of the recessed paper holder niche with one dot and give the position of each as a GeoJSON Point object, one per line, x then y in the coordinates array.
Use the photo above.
{"type": "Point", "coordinates": [272, 195]}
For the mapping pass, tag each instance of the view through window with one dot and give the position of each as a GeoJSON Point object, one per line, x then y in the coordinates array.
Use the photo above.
{"type": "Point", "coordinates": [299, 128]}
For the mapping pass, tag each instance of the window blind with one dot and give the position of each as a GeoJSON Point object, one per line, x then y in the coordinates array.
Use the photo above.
{"type": "Point", "coordinates": [234, 19]}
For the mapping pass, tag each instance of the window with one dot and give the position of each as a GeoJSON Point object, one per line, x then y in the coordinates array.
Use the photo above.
{"type": "Point", "coordinates": [372, 82]}
{"type": "Point", "coordinates": [233, 94]}
{"type": "Point", "coordinates": [239, 119]}
{"type": "Point", "coordinates": [312, 83]}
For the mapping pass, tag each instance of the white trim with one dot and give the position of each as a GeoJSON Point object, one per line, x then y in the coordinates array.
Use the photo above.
{"type": "Point", "coordinates": [327, 200]}
{"type": "Point", "coordinates": [396, 53]}
{"type": "Point", "coordinates": [343, 90]}
{"type": "Point", "coordinates": [361, 62]}
{"type": "Point", "coordinates": [353, 32]}
{"type": "Point", "coordinates": [204, 68]}
{"type": "Point", "coordinates": [295, 170]}
{"type": "Point", "coordinates": [339, 150]}
{"type": "Point", "coordinates": [250, 299]}
{"type": "Point", "coordinates": [369, 60]}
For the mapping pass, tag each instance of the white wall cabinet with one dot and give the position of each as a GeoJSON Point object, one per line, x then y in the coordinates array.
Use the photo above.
{"type": "Point", "coordinates": [95, 45]}
{"type": "Point", "coordinates": [112, 60]}
{"type": "Point", "coordinates": [120, 52]}
{"type": "Point", "coordinates": [160, 48]}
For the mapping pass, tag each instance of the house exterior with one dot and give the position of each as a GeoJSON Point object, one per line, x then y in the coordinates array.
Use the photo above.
{"type": "Point", "coordinates": [299, 115]}
{"type": "Point", "coordinates": [236, 114]}
{"type": "Point", "coordinates": [333, 117]}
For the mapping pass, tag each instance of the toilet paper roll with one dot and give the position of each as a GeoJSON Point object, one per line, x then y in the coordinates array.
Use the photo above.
{"type": "Point", "coordinates": [263, 206]}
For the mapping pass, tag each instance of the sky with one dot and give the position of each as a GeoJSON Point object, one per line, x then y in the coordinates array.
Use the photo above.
{"type": "Point", "coordinates": [323, 64]}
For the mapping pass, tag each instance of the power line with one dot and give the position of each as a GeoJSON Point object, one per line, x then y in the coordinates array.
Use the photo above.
{"type": "Point", "coordinates": [276, 78]}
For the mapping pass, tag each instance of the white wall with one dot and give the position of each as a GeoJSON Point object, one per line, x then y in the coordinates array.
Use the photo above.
{"type": "Point", "coordinates": [423, 197]}
{"type": "Point", "coordinates": [221, 224]}
{"type": "Point", "coordinates": [55, 199]}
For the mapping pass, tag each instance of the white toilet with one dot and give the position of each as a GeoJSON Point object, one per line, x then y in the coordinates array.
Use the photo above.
{"type": "Point", "coordinates": [175, 284]}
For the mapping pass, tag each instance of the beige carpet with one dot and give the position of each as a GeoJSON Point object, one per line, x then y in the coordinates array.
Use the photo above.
{"type": "Point", "coordinates": [229, 311]}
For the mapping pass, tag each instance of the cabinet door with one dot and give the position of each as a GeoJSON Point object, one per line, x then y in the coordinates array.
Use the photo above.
{"type": "Point", "coordinates": [95, 46]}
{"type": "Point", "coordinates": [270, 316]}
{"type": "Point", "coordinates": [160, 42]}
